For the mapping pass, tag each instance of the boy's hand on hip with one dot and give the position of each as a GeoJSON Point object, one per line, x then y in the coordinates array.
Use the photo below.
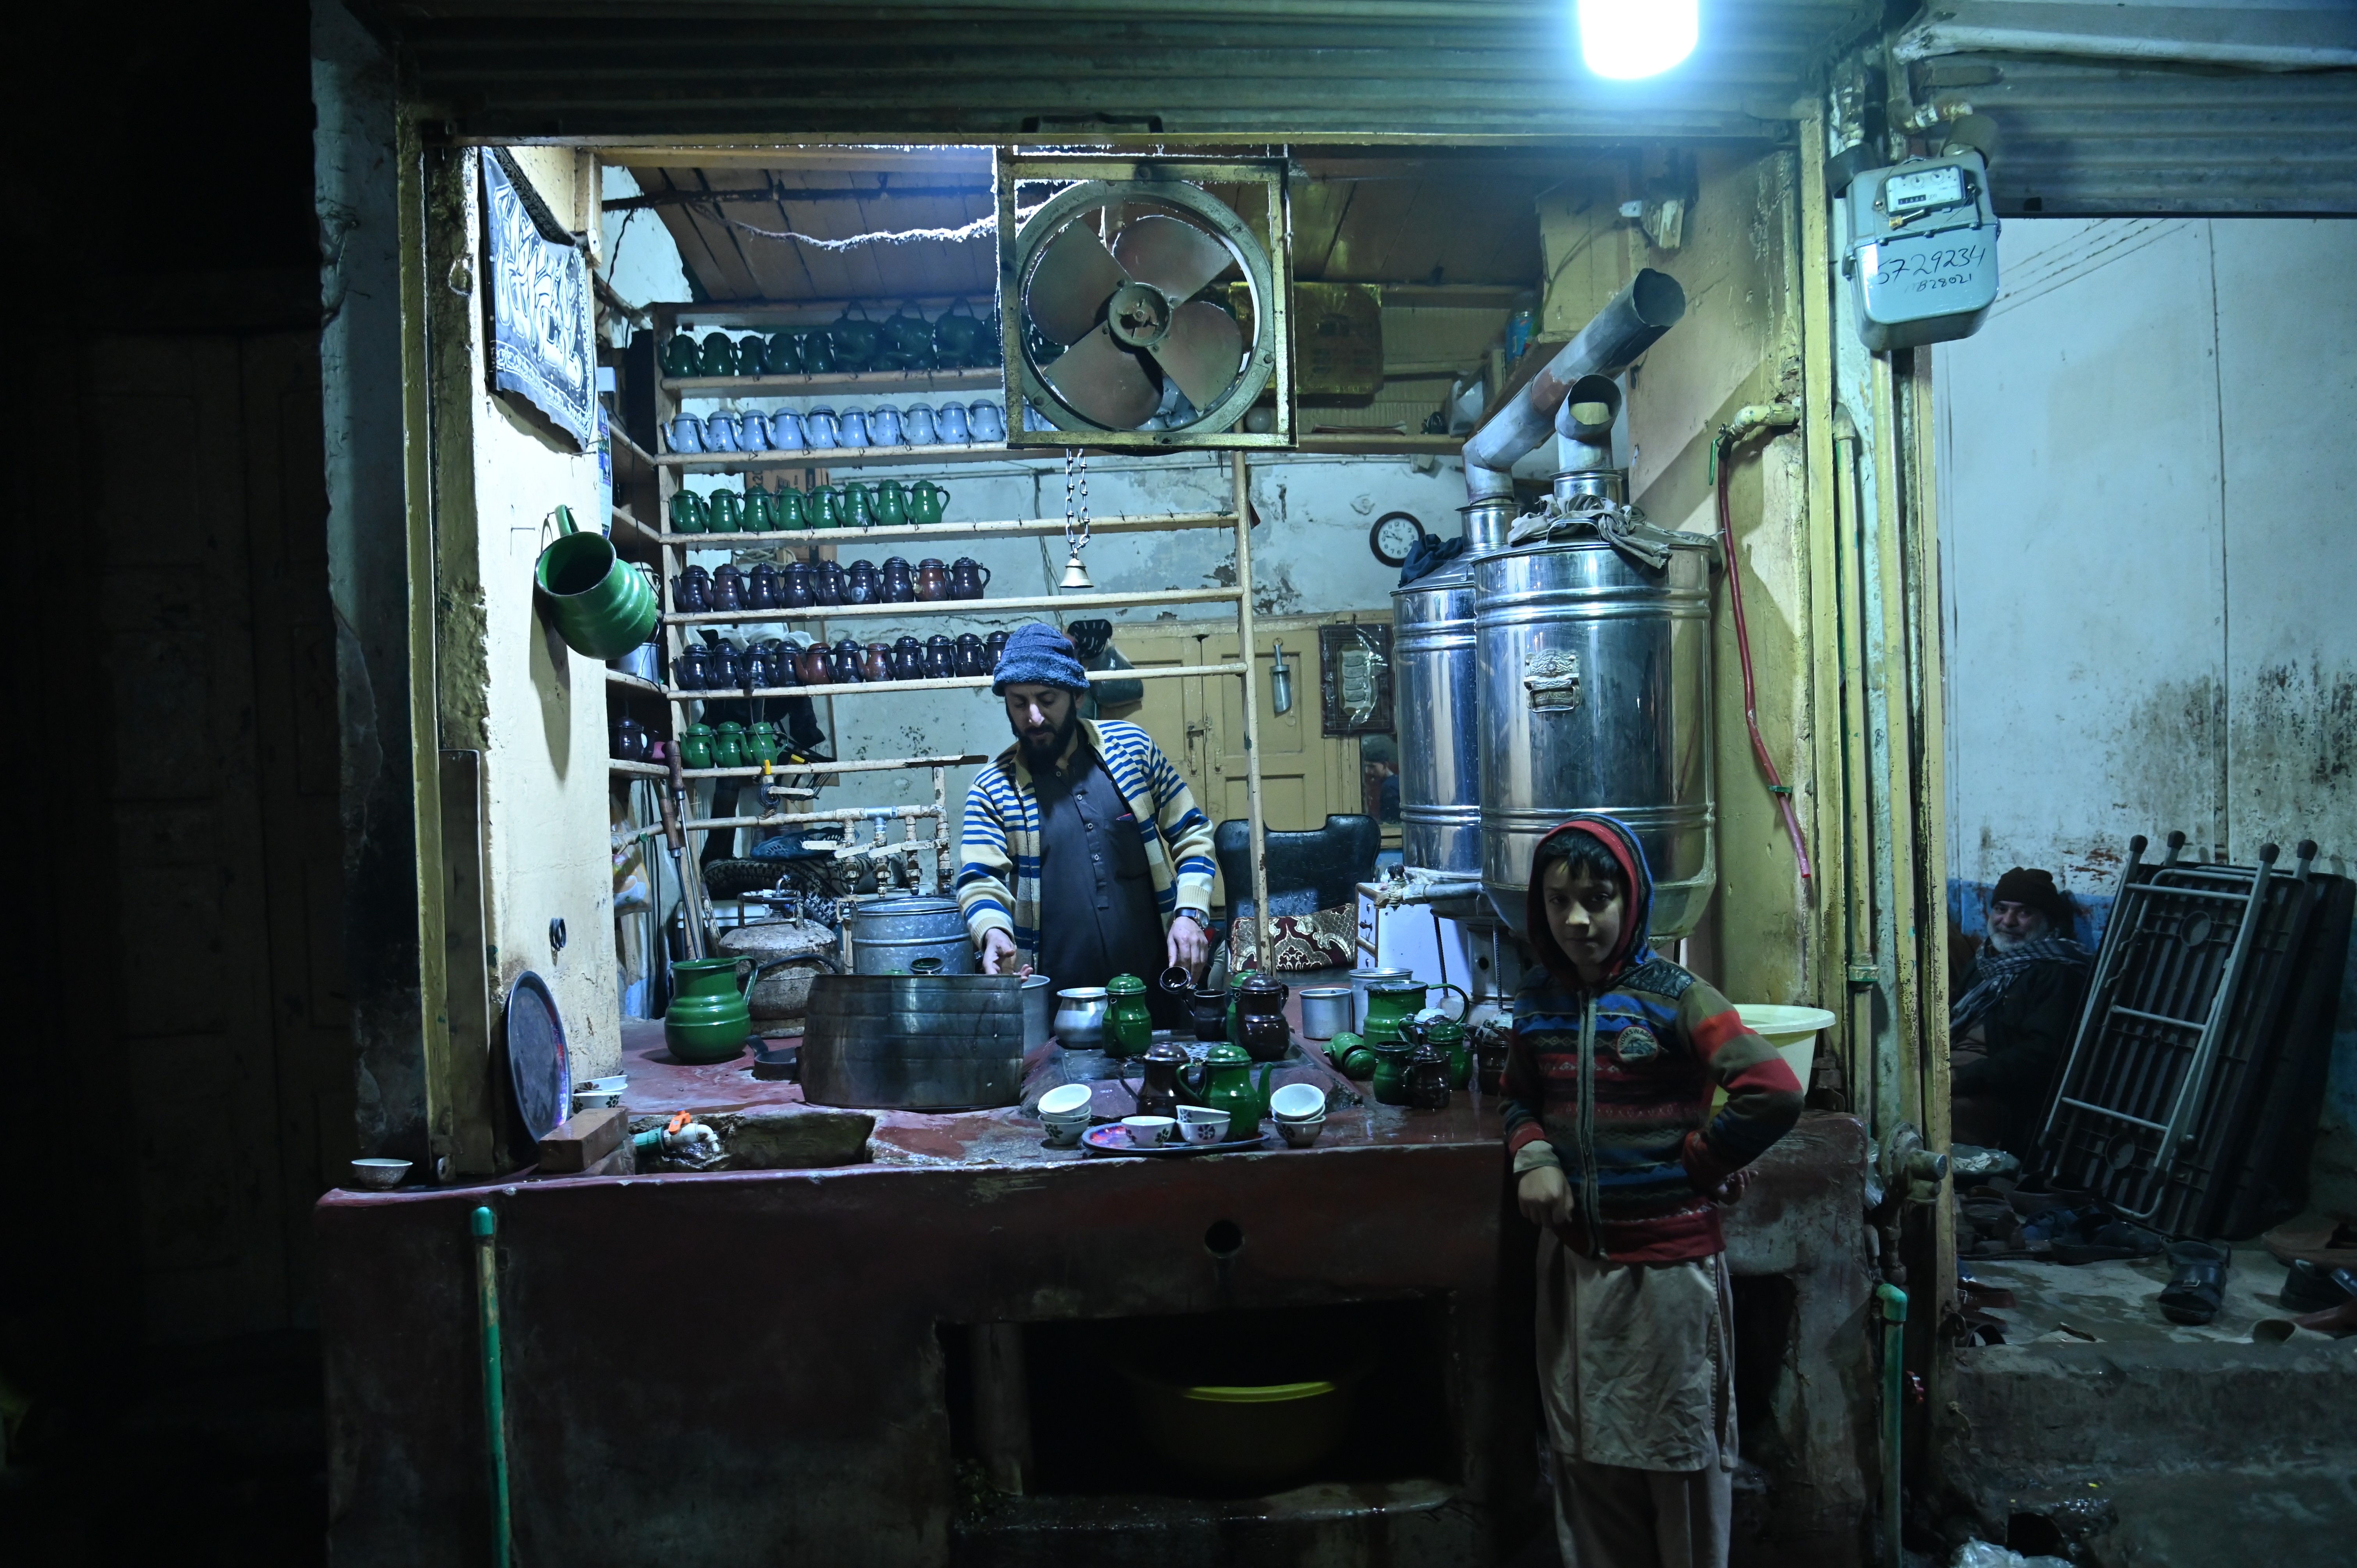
{"type": "Point", "coordinates": [1544, 1196]}
{"type": "Point", "coordinates": [1729, 1193]}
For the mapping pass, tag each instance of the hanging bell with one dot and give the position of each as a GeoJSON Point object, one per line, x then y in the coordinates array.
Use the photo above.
{"type": "Point", "coordinates": [1075, 574]}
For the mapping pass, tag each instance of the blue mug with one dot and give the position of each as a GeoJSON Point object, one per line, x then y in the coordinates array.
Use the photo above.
{"type": "Point", "coordinates": [854, 427]}
{"type": "Point", "coordinates": [955, 432]}
{"type": "Point", "coordinates": [989, 421]}
{"type": "Point", "coordinates": [720, 432]}
{"type": "Point", "coordinates": [819, 430]}
{"type": "Point", "coordinates": [883, 420]}
{"type": "Point", "coordinates": [919, 424]}
{"type": "Point", "coordinates": [786, 430]}
{"type": "Point", "coordinates": [686, 433]}
{"type": "Point", "coordinates": [753, 430]}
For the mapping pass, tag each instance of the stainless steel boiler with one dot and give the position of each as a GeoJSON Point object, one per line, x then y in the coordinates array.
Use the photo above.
{"type": "Point", "coordinates": [1595, 695]}
{"type": "Point", "coordinates": [1434, 688]}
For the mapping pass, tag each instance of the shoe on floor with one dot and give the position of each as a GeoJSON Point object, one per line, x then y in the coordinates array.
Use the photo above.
{"type": "Point", "coordinates": [2198, 1284]}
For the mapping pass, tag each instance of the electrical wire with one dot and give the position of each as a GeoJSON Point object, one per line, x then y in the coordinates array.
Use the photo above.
{"type": "Point", "coordinates": [1776, 785]}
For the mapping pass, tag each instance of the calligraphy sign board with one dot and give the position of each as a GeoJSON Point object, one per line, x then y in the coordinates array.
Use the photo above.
{"type": "Point", "coordinates": [544, 336]}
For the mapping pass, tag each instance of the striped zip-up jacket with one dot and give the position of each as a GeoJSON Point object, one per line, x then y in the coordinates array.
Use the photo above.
{"type": "Point", "coordinates": [1612, 1083]}
{"type": "Point", "coordinates": [999, 879]}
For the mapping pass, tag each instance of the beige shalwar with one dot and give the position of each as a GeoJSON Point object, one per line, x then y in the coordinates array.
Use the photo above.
{"type": "Point", "coordinates": [1635, 1371]}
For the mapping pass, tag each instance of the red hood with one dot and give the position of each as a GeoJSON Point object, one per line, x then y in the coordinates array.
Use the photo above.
{"type": "Point", "coordinates": [1615, 836]}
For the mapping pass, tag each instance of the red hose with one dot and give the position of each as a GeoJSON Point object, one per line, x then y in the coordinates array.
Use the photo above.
{"type": "Point", "coordinates": [1776, 784]}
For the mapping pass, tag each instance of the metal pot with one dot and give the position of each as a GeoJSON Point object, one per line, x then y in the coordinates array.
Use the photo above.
{"type": "Point", "coordinates": [1038, 1012]}
{"type": "Point", "coordinates": [1081, 1017]}
{"type": "Point", "coordinates": [891, 934]}
{"type": "Point", "coordinates": [913, 1042]}
{"type": "Point", "coordinates": [788, 955]}
{"type": "Point", "coordinates": [1327, 1011]}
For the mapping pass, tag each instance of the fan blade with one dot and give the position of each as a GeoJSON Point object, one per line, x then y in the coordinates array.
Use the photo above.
{"type": "Point", "coordinates": [1202, 352]}
{"type": "Point", "coordinates": [1105, 383]}
{"type": "Point", "coordinates": [1174, 257]}
{"type": "Point", "coordinates": [1069, 288]}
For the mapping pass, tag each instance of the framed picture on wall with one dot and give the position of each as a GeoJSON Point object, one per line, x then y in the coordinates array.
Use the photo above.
{"type": "Point", "coordinates": [1354, 678]}
{"type": "Point", "coordinates": [543, 337]}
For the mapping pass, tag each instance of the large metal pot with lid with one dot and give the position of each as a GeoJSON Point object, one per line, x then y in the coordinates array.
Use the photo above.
{"type": "Point", "coordinates": [888, 935]}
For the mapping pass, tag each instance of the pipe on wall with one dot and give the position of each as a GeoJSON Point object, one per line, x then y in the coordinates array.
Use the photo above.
{"type": "Point", "coordinates": [1585, 422]}
{"type": "Point", "coordinates": [1632, 322]}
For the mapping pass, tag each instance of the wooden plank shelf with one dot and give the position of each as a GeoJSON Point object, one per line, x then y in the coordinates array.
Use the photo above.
{"type": "Point", "coordinates": [637, 769]}
{"type": "Point", "coordinates": [628, 529]}
{"type": "Point", "coordinates": [956, 607]}
{"type": "Point", "coordinates": [618, 682]}
{"type": "Point", "coordinates": [943, 683]}
{"type": "Point", "coordinates": [986, 379]}
{"type": "Point", "coordinates": [949, 532]}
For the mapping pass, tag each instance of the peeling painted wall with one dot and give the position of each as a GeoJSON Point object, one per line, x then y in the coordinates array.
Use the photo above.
{"type": "Point", "coordinates": [508, 685]}
{"type": "Point", "coordinates": [2147, 561]}
{"type": "Point", "coordinates": [1739, 344]}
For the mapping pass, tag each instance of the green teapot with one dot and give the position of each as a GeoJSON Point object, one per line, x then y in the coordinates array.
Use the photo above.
{"type": "Point", "coordinates": [857, 512]}
{"type": "Point", "coordinates": [1448, 1040]}
{"type": "Point", "coordinates": [724, 509]}
{"type": "Point", "coordinates": [761, 741]}
{"type": "Point", "coordinates": [760, 511]}
{"type": "Point", "coordinates": [927, 502]}
{"type": "Point", "coordinates": [1225, 1078]}
{"type": "Point", "coordinates": [696, 746]}
{"type": "Point", "coordinates": [786, 506]}
{"type": "Point", "coordinates": [717, 357]}
{"type": "Point", "coordinates": [687, 513]}
{"type": "Point", "coordinates": [1130, 1023]}
{"type": "Point", "coordinates": [679, 356]}
{"type": "Point", "coordinates": [891, 509]}
{"type": "Point", "coordinates": [728, 744]}
{"type": "Point", "coordinates": [782, 355]}
{"type": "Point", "coordinates": [822, 508]}
{"type": "Point", "coordinates": [956, 336]}
{"type": "Point", "coordinates": [857, 343]}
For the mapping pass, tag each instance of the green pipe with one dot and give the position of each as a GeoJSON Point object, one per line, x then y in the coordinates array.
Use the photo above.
{"type": "Point", "coordinates": [495, 1411]}
{"type": "Point", "coordinates": [1894, 1407]}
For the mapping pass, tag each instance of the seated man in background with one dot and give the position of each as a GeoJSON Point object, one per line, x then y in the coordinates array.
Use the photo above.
{"type": "Point", "coordinates": [2016, 1010]}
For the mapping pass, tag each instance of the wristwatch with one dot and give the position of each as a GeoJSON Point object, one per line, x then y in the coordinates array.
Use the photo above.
{"type": "Point", "coordinates": [1202, 921]}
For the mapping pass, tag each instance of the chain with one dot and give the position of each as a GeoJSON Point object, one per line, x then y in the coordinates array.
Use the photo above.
{"type": "Point", "coordinates": [1076, 518]}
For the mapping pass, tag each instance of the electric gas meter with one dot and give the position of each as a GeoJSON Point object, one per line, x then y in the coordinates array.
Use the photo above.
{"type": "Point", "coordinates": [1922, 251]}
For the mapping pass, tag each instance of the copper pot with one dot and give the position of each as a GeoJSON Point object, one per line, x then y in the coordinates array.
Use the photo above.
{"type": "Point", "coordinates": [933, 581]}
{"type": "Point", "coordinates": [877, 664]}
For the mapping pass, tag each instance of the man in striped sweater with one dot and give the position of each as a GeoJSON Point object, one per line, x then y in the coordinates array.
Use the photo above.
{"type": "Point", "coordinates": [1085, 855]}
{"type": "Point", "coordinates": [1620, 1161]}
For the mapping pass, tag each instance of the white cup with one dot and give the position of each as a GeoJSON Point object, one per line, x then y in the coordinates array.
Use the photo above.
{"type": "Point", "coordinates": [1202, 1124]}
{"type": "Point", "coordinates": [1146, 1131]}
{"type": "Point", "coordinates": [1064, 1132]}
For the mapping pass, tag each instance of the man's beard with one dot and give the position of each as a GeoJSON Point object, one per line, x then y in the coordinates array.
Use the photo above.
{"type": "Point", "coordinates": [1038, 756]}
{"type": "Point", "coordinates": [2002, 942]}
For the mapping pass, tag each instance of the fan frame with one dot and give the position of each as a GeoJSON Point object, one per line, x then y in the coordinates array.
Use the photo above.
{"type": "Point", "coordinates": [1177, 183]}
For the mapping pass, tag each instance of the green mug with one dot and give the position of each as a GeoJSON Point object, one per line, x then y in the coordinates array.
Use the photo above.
{"type": "Point", "coordinates": [603, 607]}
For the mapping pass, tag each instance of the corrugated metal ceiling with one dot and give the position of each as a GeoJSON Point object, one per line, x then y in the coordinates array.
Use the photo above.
{"type": "Point", "coordinates": [1430, 218]}
{"type": "Point", "coordinates": [1265, 70]}
{"type": "Point", "coordinates": [2087, 139]}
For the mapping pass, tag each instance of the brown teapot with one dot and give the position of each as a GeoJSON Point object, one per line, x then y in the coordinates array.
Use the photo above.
{"type": "Point", "coordinates": [932, 584]}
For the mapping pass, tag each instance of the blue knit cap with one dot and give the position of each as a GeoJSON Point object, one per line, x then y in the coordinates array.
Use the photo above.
{"type": "Point", "coordinates": [1039, 655]}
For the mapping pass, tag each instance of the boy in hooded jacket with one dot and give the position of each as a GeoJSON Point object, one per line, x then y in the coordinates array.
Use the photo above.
{"type": "Point", "coordinates": [1621, 1162]}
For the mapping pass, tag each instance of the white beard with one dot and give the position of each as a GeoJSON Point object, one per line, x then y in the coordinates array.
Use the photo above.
{"type": "Point", "coordinates": [2000, 943]}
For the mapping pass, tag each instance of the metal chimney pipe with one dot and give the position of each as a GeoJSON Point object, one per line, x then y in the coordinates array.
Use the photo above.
{"type": "Point", "coordinates": [1585, 421]}
{"type": "Point", "coordinates": [1630, 324]}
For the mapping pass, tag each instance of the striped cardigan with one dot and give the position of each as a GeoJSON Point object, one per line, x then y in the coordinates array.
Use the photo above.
{"type": "Point", "coordinates": [999, 879]}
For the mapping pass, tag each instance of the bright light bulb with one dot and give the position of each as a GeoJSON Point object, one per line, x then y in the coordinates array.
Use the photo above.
{"type": "Point", "coordinates": [1625, 39]}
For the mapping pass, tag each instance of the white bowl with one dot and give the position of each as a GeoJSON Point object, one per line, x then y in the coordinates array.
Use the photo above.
{"type": "Point", "coordinates": [1065, 1134]}
{"type": "Point", "coordinates": [1202, 1124]}
{"type": "Point", "coordinates": [1064, 1100]}
{"type": "Point", "coordinates": [1298, 1102]}
{"type": "Point", "coordinates": [380, 1172]}
{"type": "Point", "coordinates": [1301, 1135]}
{"type": "Point", "coordinates": [1145, 1131]}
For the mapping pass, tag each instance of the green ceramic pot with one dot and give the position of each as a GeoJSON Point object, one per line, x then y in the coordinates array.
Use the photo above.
{"type": "Point", "coordinates": [602, 606]}
{"type": "Point", "coordinates": [1390, 1084]}
{"type": "Point", "coordinates": [707, 1020]}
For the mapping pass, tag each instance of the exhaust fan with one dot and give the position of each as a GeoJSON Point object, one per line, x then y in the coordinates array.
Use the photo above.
{"type": "Point", "coordinates": [1114, 298]}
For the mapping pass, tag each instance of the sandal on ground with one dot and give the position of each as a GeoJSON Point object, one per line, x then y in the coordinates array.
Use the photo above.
{"type": "Point", "coordinates": [2328, 1242]}
{"type": "Point", "coordinates": [2105, 1241]}
{"type": "Point", "coordinates": [2198, 1284]}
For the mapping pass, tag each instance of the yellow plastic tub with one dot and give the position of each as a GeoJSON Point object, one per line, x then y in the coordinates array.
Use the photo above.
{"type": "Point", "coordinates": [1252, 1436]}
{"type": "Point", "coordinates": [1792, 1030]}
